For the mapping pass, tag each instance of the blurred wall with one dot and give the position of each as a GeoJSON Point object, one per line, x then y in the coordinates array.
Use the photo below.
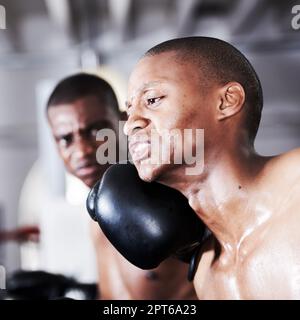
{"type": "Point", "coordinates": [19, 134]}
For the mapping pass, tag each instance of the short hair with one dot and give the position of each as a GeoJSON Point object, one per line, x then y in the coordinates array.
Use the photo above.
{"type": "Point", "coordinates": [223, 63]}
{"type": "Point", "coordinates": [82, 85]}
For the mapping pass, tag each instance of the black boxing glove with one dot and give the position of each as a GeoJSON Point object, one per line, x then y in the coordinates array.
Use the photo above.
{"type": "Point", "coordinates": [41, 285]}
{"type": "Point", "coordinates": [145, 222]}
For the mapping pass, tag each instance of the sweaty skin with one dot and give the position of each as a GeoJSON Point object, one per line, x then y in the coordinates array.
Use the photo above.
{"type": "Point", "coordinates": [74, 128]}
{"type": "Point", "coordinates": [249, 202]}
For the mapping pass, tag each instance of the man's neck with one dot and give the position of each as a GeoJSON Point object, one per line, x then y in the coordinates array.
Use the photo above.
{"type": "Point", "coordinates": [227, 197]}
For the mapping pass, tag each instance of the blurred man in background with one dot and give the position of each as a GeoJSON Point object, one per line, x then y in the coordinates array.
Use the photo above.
{"type": "Point", "coordinates": [77, 109]}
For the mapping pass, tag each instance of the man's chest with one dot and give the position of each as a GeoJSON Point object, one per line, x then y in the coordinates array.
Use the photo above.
{"type": "Point", "coordinates": [273, 272]}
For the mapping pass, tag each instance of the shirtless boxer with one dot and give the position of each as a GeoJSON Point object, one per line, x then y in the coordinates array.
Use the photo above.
{"type": "Point", "coordinates": [248, 201]}
{"type": "Point", "coordinates": [78, 107]}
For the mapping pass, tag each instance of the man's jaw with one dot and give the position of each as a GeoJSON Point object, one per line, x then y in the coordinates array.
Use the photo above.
{"type": "Point", "coordinates": [150, 172]}
{"type": "Point", "coordinates": [149, 166]}
{"type": "Point", "coordinates": [90, 182]}
{"type": "Point", "coordinates": [90, 174]}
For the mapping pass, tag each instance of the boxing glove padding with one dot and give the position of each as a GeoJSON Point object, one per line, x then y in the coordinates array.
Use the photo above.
{"type": "Point", "coordinates": [42, 285]}
{"type": "Point", "coordinates": [145, 222]}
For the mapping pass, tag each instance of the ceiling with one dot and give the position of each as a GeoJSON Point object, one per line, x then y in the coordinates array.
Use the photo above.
{"type": "Point", "coordinates": [112, 26]}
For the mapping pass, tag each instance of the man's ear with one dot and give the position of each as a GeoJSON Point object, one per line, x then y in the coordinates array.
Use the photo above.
{"type": "Point", "coordinates": [232, 98]}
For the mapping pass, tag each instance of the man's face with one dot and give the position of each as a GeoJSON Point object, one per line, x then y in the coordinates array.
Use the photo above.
{"type": "Point", "coordinates": [165, 94]}
{"type": "Point", "coordinates": [74, 127]}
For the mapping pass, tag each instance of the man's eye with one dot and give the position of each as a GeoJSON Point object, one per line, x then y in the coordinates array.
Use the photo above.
{"type": "Point", "coordinates": [93, 132]}
{"type": "Point", "coordinates": [153, 101]}
{"type": "Point", "coordinates": [65, 141]}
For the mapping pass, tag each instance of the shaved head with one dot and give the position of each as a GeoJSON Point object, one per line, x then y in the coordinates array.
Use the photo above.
{"type": "Point", "coordinates": [219, 62]}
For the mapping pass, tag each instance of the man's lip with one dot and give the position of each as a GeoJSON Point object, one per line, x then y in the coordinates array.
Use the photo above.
{"type": "Point", "coordinates": [137, 139]}
{"type": "Point", "coordinates": [88, 170]}
{"type": "Point", "coordinates": [139, 150]}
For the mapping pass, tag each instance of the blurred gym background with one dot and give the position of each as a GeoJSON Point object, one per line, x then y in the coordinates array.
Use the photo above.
{"type": "Point", "coordinates": [46, 40]}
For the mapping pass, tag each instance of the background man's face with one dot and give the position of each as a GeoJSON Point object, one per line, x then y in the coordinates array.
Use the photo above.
{"type": "Point", "coordinates": [164, 94]}
{"type": "Point", "coordinates": [74, 127]}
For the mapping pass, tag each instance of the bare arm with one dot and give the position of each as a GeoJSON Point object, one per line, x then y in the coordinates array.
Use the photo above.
{"type": "Point", "coordinates": [119, 279]}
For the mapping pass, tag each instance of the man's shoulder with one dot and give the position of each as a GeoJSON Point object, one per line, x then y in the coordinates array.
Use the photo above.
{"type": "Point", "coordinates": [285, 168]}
{"type": "Point", "coordinates": [281, 189]}
{"type": "Point", "coordinates": [290, 158]}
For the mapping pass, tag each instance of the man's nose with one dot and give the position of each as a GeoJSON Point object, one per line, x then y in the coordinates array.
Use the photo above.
{"type": "Point", "coordinates": [83, 148]}
{"type": "Point", "coordinates": [135, 122]}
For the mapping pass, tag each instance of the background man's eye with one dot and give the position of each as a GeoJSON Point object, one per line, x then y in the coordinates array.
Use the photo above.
{"type": "Point", "coordinates": [93, 132]}
{"type": "Point", "coordinates": [65, 141]}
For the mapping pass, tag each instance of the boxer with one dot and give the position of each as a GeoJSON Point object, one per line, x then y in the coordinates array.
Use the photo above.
{"type": "Point", "coordinates": [249, 202]}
